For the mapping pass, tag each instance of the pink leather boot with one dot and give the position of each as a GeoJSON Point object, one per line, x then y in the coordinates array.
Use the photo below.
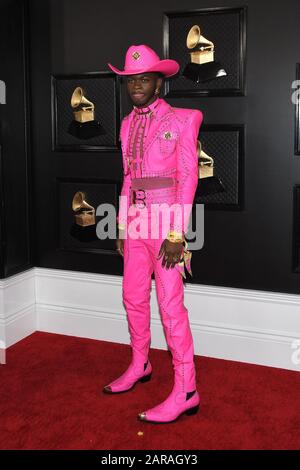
{"type": "Point", "coordinates": [176, 404]}
{"type": "Point", "coordinates": [130, 377]}
{"type": "Point", "coordinates": [136, 298]}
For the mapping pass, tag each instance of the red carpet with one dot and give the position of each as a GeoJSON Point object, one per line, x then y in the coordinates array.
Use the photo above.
{"type": "Point", "coordinates": [50, 398]}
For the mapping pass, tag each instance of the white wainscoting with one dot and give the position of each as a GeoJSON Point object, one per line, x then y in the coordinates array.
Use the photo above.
{"type": "Point", "coordinates": [242, 325]}
{"type": "Point", "coordinates": [17, 309]}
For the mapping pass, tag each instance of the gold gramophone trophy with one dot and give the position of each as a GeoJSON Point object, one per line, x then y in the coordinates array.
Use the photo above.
{"type": "Point", "coordinates": [84, 212]}
{"type": "Point", "coordinates": [205, 163]}
{"type": "Point", "coordinates": [208, 183]}
{"type": "Point", "coordinates": [202, 67]}
{"type": "Point", "coordinates": [84, 125]}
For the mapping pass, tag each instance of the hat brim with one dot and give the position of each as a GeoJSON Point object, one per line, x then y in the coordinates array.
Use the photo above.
{"type": "Point", "coordinates": [167, 67]}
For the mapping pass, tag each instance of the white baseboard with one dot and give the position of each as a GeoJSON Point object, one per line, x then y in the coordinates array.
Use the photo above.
{"type": "Point", "coordinates": [242, 325]}
{"type": "Point", "coordinates": [17, 309]}
{"type": "Point", "coordinates": [237, 324]}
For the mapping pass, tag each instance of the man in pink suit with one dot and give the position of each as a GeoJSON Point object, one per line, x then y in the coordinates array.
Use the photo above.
{"type": "Point", "coordinates": [160, 162]}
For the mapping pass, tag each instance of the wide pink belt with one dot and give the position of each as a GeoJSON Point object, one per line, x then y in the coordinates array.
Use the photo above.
{"type": "Point", "coordinates": [153, 182]}
{"type": "Point", "coordinates": [143, 197]}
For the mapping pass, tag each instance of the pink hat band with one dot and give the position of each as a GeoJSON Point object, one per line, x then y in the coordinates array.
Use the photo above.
{"type": "Point", "coordinates": [141, 59]}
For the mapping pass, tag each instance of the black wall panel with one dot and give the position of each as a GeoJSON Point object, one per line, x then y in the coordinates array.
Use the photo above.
{"type": "Point", "coordinates": [247, 248]}
{"type": "Point", "coordinates": [15, 172]}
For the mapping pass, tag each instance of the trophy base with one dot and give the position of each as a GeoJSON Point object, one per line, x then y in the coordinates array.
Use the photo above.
{"type": "Point", "coordinates": [203, 72]}
{"type": "Point", "coordinates": [85, 234]}
{"type": "Point", "coordinates": [85, 130]}
{"type": "Point", "coordinates": [209, 186]}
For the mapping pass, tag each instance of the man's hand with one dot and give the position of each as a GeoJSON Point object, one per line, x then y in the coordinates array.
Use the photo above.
{"type": "Point", "coordinates": [120, 244]}
{"type": "Point", "coordinates": [171, 253]}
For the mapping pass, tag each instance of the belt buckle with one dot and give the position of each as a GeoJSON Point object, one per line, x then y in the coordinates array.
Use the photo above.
{"type": "Point", "coordinates": [139, 195]}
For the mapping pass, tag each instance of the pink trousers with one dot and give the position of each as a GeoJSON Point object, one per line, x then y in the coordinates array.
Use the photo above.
{"type": "Point", "coordinates": [140, 261]}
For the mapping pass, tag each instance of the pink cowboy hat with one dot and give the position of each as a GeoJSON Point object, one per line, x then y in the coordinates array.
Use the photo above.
{"type": "Point", "coordinates": [142, 58]}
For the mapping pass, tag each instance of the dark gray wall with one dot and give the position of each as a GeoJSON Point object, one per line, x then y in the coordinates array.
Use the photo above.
{"type": "Point", "coordinates": [16, 223]}
{"type": "Point", "coordinates": [251, 248]}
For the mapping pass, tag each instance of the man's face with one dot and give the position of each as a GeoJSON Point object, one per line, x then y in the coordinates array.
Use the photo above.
{"type": "Point", "coordinates": [141, 88]}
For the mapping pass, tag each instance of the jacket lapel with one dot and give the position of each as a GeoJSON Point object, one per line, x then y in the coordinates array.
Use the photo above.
{"type": "Point", "coordinates": [159, 123]}
{"type": "Point", "coordinates": [124, 132]}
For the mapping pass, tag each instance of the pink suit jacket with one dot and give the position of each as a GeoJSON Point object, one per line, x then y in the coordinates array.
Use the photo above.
{"type": "Point", "coordinates": [175, 156]}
